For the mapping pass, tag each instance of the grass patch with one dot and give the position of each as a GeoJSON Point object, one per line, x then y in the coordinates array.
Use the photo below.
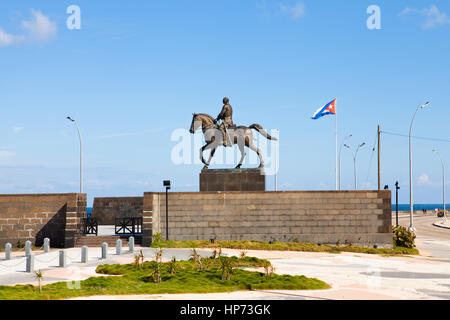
{"type": "Point", "coordinates": [203, 276]}
{"type": "Point", "coordinates": [282, 246]}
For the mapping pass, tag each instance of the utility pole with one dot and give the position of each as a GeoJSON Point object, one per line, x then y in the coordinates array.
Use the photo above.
{"type": "Point", "coordinates": [379, 159]}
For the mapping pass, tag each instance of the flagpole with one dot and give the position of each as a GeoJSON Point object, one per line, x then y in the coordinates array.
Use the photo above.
{"type": "Point", "coordinates": [336, 162]}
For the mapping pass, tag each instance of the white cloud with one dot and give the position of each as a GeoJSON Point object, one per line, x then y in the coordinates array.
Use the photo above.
{"type": "Point", "coordinates": [18, 129]}
{"type": "Point", "coordinates": [433, 16]}
{"type": "Point", "coordinates": [37, 30]}
{"type": "Point", "coordinates": [5, 39]}
{"type": "Point", "coordinates": [6, 154]}
{"type": "Point", "coordinates": [295, 12]}
{"type": "Point", "coordinates": [425, 181]}
{"type": "Point", "coordinates": [40, 28]}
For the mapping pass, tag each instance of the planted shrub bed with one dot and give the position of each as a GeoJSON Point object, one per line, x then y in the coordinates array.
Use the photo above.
{"type": "Point", "coordinates": [197, 275]}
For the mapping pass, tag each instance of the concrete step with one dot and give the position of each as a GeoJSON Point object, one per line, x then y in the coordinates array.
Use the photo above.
{"type": "Point", "coordinates": [93, 241]}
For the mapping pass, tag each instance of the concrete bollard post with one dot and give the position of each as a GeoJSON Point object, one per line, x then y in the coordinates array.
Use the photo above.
{"type": "Point", "coordinates": [104, 250]}
{"type": "Point", "coordinates": [30, 263]}
{"type": "Point", "coordinates": [62, 258]}
{"type": "Point", "coordinates": [46, 245]}
{"type": "Point", "coordinates": [119, 247]}
{"type": "Point", "coordinates": [27, 248]}
{"type": "Point", "coordinates": [84, 254]}
{"type": "Point", "coordinates": [8, 249]}
{"type": "Point", "coordinates": [131, 244]}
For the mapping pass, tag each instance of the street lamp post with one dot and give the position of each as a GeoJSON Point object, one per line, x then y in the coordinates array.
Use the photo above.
{"type": "Point", "coordinates": [276, 161]}
{"type": "Point", "coordinates": [81, 154]}
{"type": "Point", "coordinates": [339, 160]}
{"type": "Point", "coordinates": [411, 205]}
{"type": "Point", "coordinates": [166, 184]}
{"type": "Point", "coordinates": [396, 203]}
{"type": "Point", "coordinates": [354, 161]}
{"type": "Point", "coordinates": [443, 179]}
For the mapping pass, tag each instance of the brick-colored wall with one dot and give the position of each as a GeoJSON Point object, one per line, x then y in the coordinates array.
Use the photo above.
{"type": "Point", "coordinates": [37, 216]}
{"type": "Point", "coordinates": [105, 210]}
{"type": "Point", "coordinates": [232, 180]}
{"type": "Point", "coordinates": [360, 218]}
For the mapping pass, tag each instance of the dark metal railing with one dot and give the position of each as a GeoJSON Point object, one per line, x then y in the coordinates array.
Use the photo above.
{"type": "Point", "coordinates": [131, 225]}
{"type": "Point", "coordinates": [90, 226]}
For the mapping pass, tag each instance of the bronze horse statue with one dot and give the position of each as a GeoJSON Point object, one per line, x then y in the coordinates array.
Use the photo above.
{"type": "Point", "coordinates": [240, 135]}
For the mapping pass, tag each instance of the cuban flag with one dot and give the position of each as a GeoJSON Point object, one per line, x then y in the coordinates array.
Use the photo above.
{"type": "Point", "coordinates": [329, 108]}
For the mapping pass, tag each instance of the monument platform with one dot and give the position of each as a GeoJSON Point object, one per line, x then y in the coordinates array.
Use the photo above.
{"type": "Point", "coordinates": [232, 180]}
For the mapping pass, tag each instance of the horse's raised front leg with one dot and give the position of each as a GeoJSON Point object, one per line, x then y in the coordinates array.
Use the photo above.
{"type": "Point", "coordinates": [211, 155]}
{"type": "Point", "coordinates": [202, 149]}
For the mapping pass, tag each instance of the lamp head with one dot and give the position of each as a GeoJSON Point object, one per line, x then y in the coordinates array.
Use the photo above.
{"type": "Point", "coordinates": [425, 105]}
{"type": "Point", "coordinates": [362, 144]}
{"type": "Point", "coordinates": [347, 146]}
{"type": "Point", "coordinates": [70, 119]}
{"type": "Point", "coordinates": [166, 183]}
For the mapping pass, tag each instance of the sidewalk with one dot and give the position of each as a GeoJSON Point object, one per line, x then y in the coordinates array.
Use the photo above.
{"type": "Point", "coordinates": [444, 223]}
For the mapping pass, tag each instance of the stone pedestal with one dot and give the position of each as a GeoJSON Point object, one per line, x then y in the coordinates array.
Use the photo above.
{"type": "Point", "coordinates": [232, 180]}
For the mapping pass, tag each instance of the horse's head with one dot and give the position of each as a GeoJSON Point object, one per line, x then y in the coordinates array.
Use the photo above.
{"type": "Point", "coordinates": [201, 120]}
{"type": "Point", "coordinates": [195, 123]}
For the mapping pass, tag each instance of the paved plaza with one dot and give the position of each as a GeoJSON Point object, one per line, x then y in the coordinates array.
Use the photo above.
{"type": "Point", "coordinates": [351, 275]}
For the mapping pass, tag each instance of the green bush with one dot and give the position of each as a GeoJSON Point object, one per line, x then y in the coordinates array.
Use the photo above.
{"type": "Point", "coordinates": [403, 238]}
{"type": "Point", "coordinates": [157, 237]}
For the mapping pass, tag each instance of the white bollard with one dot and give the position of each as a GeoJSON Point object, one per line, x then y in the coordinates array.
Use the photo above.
{"type": "Point", "coordinates": [8, 249]}
{"type": "Point", "coordinates": [27, 248]}
{"type": "Point", "coordinates": [119, 247]}
{"type": "Point", "coordinates": [131, 244]}
{"type": "Point", "coordinates": [30, 263]}
{"type": "Point", "coordinates": [104, 250]}
{"type": "Point", "coordinates": [62, 258]}
{"type": "Point", "coordinates": [84, 254]}
{"type": "Point", "coordinates": [46, 245]}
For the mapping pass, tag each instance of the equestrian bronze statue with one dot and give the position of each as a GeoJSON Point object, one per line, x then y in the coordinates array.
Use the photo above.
{"type": "Point", "coordinates": [226, 134]}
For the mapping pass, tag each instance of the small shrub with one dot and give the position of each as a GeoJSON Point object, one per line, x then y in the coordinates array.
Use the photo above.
{"type": "Point", "coordinates": [137, 260]}
{"type": "Point", "coordinates": [173, 266]}
{"type": "Point", "coordinates": [157, 237]}
{"type": "Point", "coordinates": [214, 254]}
{"type": "Point", "coordinates": [38, 275]}
{"type": "Point", "coordinates": [243, 254]}
{"type": "Point", "coordinates": [158, 255]}
{"type": "Point", "coordinates": [268, 268]}
{"type": "Point", "coordinates": [226, 266]}
{"type": "Point", "coordinates": [403, 238]}
{"type": "Point", "coordinates": [194, 255]}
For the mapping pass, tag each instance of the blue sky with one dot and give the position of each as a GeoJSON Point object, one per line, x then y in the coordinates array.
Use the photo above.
{"type": "Point", "coordinates": [137, 70]}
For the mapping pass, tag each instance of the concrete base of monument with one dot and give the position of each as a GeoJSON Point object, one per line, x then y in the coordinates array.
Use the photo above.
{"type": "Point", "coordinates": [360, 218]}
{"type": "Point", "coordinates": [232, 180]}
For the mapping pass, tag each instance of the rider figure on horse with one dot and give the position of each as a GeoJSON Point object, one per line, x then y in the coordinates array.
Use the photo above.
{"type": "Point", "coordinates": [226, 115]}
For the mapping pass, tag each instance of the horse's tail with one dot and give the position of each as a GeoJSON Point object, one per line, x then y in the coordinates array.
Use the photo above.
{"type": "Point", "coordinates": [261, 130]}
